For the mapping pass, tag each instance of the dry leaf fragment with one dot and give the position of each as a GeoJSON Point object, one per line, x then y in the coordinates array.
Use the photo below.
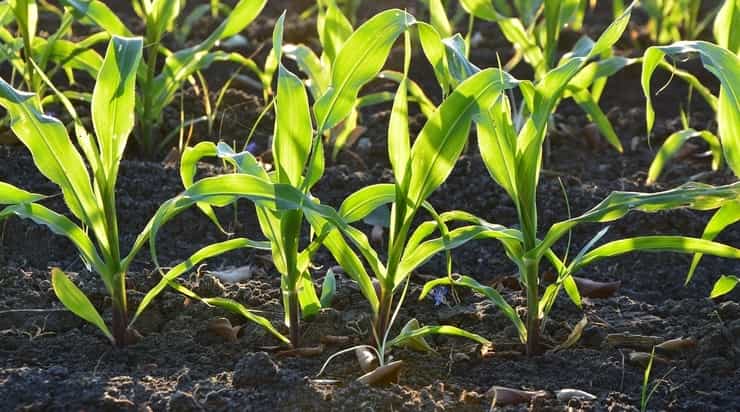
{"type": "Point", "coordinates": [384, 375]}
{"type": "Point", "coordinates": [598, 290]}
{"type": "Point", "coordinates": [234, 275]}
{"type": "Point", "coordinates": [574, 336]}
{"type": "Point", "coordinates": [335, 340]}
{"type": "Point", "coordinates": [675, 346]}
{"type": "Point", "coordinates": [564, 395]}
{"type": "Point", "coordinates": [509, 396]}
{"type": "Point", "coordinates": [642, 358]}
{"type": "Point", "coordinates": [304, 352]}
{"type": "Point", "coordinates": [626, 340]}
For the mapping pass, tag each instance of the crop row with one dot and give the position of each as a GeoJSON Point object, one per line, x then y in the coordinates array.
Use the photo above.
{"type": "Point", "coordinates": [510, 116]}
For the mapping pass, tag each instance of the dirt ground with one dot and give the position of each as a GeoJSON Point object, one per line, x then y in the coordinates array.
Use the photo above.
{"type": "Point", "coordinates": [51, 360]}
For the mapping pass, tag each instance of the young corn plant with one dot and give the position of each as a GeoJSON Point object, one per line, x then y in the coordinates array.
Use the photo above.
{"type": "Point", "coordinates": [723, 64]}
{"type": "Point", "coordinates": [676, 20]}
{"type": "Point", "coordinates": [298, 160]}
{"type": "Point", "coordinates": [158, 89]}
{"type": "Point", "coordinates": [418, 169]}
{"type": "Point", "coordinates": [28, 53]}
{"type": "Point", "coordinates": [334, 29]}
{"type": "Point", "coordinates": [513, 157]}
{"type": "Point", "coordinates": [534, 32]}
{"type": "Point", "coordinates": [91, 201]}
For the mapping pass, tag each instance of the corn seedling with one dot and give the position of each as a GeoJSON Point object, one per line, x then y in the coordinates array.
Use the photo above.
{"type": "Point", "coordinates": [298, 159]}
{"type": "Point", "coordinates": [648, 391]}
{"type": "Point", "coordinates": [28, 53]}
{"type": "Point", "coordinates": [418, 170]}
{"type": "Point", "coordinates": [676, 20]}
{"type": "Point", "coordinates": [157, 90]}
{"type": "Point", "coordinates": [535, 33]}
{"type": "Point", "coordinates": [722, 61]}
{"type": "Point", "coordinates": [723, 64]}
{"type": "Point", "coordinates": [334, 29]}
{"type": "Point", "coordinates": [513, 158]}
{"type": "Point", "coordinates": [91, 201]}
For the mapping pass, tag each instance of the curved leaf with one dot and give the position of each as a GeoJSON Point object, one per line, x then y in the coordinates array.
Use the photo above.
{"type": "Point", "coordinates": [673, 144]}
{"type": "Point", "coordinates": [359, 61]}
{"type": "Point", "coordinates": [486, 291]}
{"type": "Point", "coordinates": [725, 216]}
{"type": "Point", "coordinates": [681, 244]}
{"type": "Point", "coordinates": [76, 301]}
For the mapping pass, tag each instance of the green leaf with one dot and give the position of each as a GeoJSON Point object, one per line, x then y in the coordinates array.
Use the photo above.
{"type": "Point", "coordinates": [359, 61]}
{"type": "Point", "coordinates": [417, 343]}
{"type": "Point", "coordinates": [309, 63]}
{"type": "Point", "coordinates": [436, 330]}
{"type": "Point", "coordinates": [233, 307]}
{"type": "Point", "coordinates": [691, 195]}
{"type": "Point", "coordinates": [673, 144]}
{"type": "Point", "coordinates": [348, 260]}
{"type": "Point", "coordinates": [725, 216]}
{"type": "Point", "coordinates": [76, 301]}
{"type": "Point", "coordinates": [10, 195]}
{"type": "Point", "coordinates": [417, 256]}
{"type": "Point", "coordinates": [72, 55]}
{"type": "Point", "coordinates": [399, 139]}
{"type": "Point", "coordinates": [61, 225]}
{"type": "Point", "coordinates": [55, 157]}
{"type": "Point", "coordinates": [458, 66]}
{"type": "Point", "coordinates": [444, 135]}
{"type": "Point", "coordinates": [26, 16]}
{"type": "Point", "coordinates": [334, 30]}
{"type": "Point", "coordinates": [497, 144]}
{"type": "Point", "coordinates": [328, 289]}
{"type": "Point", "coordinates": [291, 144]}
{"type": "Point", "coordinates": [486, 291]}
{"type": "Point", "coordinates": [363, 202]}
{"type": "Point", "coordinates": [591, 107]}
{"type": "Point", "coordinates": [207, 252]}
{"type": "Point", "coordinates": [724, 285]}
{"type": "Point", "coordinates": [161, 18]}
{"type": "Point", "coordinates": [727, 26]}
{"type": "Point", "coordinates": [680, 244]}
{"type": "Point", "coordinates": [96, 12]}
{"type": "Point", "coordinates": [434, 50]}
{"type": "Point", "coordinates": [182, 64]}
{"type": "Point", "coordinates": [726, 67]}
{"type": "Point", "coordinates": [113, 101]}
{"type": "Point", "coordinates": [438, 18]}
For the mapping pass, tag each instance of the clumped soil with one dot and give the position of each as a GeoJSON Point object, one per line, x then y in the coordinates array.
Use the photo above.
{"type": "Point", "coordinates": [51, 360]}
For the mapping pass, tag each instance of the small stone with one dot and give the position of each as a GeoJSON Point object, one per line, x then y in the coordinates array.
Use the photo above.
{"type": "Point", "coordinates": [255, 369]}
{"type": "Point", "coordinates": [729, 310]}
{"type": "Point", "coordinates": [58, 371]}
{"type": "Point", "coordinates": [183, 402]}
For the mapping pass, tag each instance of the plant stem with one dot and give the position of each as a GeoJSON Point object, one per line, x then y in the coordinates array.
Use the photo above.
{"type": "Point", "coordinates": [294, 317]}
{"type": "Point", "coordinates": [531, 274]}
{"type": "Point", "coordinates": [384, 316]}
{"type": "Point", "coordinates": [120, 313]}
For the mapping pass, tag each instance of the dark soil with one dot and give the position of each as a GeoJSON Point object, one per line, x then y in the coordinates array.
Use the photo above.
{"type": "Point", "coordinates": [51, 360]}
